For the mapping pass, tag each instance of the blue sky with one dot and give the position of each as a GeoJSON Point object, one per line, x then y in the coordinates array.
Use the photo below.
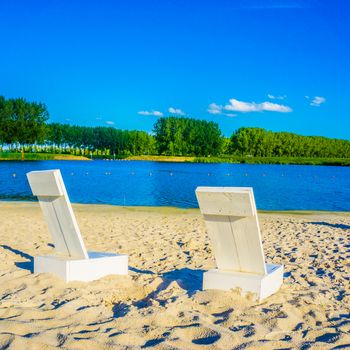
{"type": "Point", "coordinates": [283, 65]}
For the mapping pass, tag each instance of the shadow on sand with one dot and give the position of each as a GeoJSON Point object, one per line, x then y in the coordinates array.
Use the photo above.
{"type": "Point", "coordinates": [146, 272]}
{"type": "Point", "coordinates": [188, 279]}
{"type": "Point", "coordinates": [26, 265]}
{"type": "Point", "coordinates": [341, 226]}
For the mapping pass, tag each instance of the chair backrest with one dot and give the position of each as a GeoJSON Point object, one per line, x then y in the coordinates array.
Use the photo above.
{"type": "Point", "coordinates": [49, 187]}
{"type": "Point", "coordinates": [232, 222]}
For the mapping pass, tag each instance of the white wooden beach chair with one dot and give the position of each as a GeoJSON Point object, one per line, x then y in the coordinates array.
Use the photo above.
{"type": "Point", "coordinates": [71, 261]}
{"type": "Point", "coordinates": [233, 227]}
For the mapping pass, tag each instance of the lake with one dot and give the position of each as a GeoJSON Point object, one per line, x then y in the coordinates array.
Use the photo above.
{"type": "Point", "coordinates": [143, 183]}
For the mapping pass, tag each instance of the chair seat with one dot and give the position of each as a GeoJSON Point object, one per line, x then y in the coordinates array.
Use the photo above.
{"type": "Point", "coordinates": [98, 265]}
{"type": "Point", "coordinates": [260, 285]}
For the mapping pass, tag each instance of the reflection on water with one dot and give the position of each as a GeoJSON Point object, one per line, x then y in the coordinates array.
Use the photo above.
{"type": "Point", "coordinates": [276, 187]}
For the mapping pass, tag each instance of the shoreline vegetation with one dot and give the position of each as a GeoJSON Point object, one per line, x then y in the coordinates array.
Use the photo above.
{"type": "Point", "coordinates": [17, 156]}
{"type": "Point", "coordinates": [248, 160]}
{"type": "Point", "coordinates": [26, 134]}
{"type": "Point", "coordinates": [38, 156]}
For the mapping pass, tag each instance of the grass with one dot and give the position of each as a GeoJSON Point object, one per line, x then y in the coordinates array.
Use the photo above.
{"type": "Point", "coordinates": [181, 159]}
{"type": "Point", "coordinates": [39, 156]}
{"type": "Point", "coordinates": [275, 160]}
{"type": "Point", "coordinates": [247, 160]}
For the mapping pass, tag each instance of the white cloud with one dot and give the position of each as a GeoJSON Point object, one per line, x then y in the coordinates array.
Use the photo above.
{"type": "Point", "coordinates": [241, 106]}
{"type": "Point", "coordinates": [317, 101]}
{"type": "Point", "coordinates": [274, 107]}
{"type": "Point", "coordinates": [218, 109]}
{"type": "Point", "coordinates": [154, 113]}
{"type": "Point", "coordinates": [214, 109]}
{"type": "Point", "coordinates": [273, 97]}
{"type": "Point", "coordinates": [178, 111]}
{"type": "Point", "coordinates": [109, 122]}
{"type": "Point", "coordinates": [244, 107]}
{"type": "Point", "coordinates": [230, 114]}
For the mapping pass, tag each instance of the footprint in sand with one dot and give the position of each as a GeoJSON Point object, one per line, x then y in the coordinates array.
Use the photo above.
{"type": "Point", "coordinates": [223, 316]}
{"type": "Point", "coordinates": [197, 335]}
{"type": "Point", "coordinates": [207, 340]}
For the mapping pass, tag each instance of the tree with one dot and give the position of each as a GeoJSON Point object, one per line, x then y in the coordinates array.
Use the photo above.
{"type": "Point", "coordinates": [187, 137]}
{"type": "Point", "coordinates": [22, 122]}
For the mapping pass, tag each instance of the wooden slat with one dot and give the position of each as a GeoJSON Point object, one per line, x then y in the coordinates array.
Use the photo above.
{"type": "Point", "coordinates": [70, 232]}
{"type": "Point", "coordinates": [46, 204]}
{"type": "Point", "coordinates": [45, 183]}
{"type": "Point", "coordinates": [224, 246]}
{"type": "Point", "coordinates": [225, 203]}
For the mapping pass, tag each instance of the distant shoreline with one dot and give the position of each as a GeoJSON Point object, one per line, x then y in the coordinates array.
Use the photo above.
{"type": "Point", "coordinates": [247, 160]}
{"type": "Point", "coordinates": [4, 156]}
{"type": "Point", "coordinates": [182, 159]}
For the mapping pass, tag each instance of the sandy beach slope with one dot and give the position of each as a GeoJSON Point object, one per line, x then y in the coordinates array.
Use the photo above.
{"type": "Point", "coordinates": [160, 304]}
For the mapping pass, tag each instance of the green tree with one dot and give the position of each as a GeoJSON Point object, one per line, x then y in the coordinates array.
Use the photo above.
{"type": "Point", "coordinates": [22, 122]}
{"type": "Point", "coordinates": [187, 137]}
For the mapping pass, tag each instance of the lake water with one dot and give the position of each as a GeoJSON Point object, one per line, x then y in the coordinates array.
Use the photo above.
{"type": "Point", "coordinates": [141, 183]}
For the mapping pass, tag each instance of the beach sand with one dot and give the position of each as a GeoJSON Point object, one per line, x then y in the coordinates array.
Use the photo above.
{"type": "Point", "coordinates": [160, 304]}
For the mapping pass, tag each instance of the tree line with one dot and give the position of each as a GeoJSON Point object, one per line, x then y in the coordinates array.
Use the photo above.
{"type": "Point", "coordinates": [24, 125]}
{"type": "Point", "coordinates": [257, 142]}
{"type": "Point", "coordinates": [100, 140]}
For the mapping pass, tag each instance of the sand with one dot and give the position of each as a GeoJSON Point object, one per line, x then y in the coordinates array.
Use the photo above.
{"type": "Point", "coordinates": [160, 304]}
